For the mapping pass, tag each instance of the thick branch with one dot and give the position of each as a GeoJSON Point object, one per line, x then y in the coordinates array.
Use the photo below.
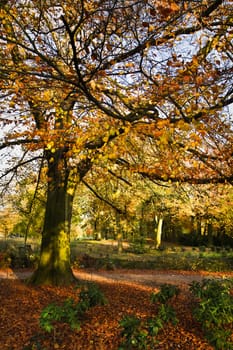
{"type": "Point", "coordinates": [102, 199]}
{"type": "Point", "coordinates": [17, 143]}
{"type": "Point", "coordinates": [187, 179]}
{"type": "Point", "coordinates": [211, 8]}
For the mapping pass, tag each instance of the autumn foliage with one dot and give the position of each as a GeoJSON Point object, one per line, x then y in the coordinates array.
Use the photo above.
{"type": "Point", "coordinates": [92, 79]}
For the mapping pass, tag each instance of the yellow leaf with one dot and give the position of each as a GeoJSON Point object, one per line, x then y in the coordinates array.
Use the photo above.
{"type": "Point", "coordinates": [195, 62]}
{"type": "Point", "coordinates": [157, 133]}
{"type": "Point", "coordinates": [93, 84]}
{"type": "Point", "coordinates": [129, 64]}
{"type": "Point", "coordinates": [162, 123]}
{"type": "Point", "coordinates": [50, 145]}
{"type": "Point", "coordinates": [105, 138]}
{"type": "Point", "coordinates": [174, 6]}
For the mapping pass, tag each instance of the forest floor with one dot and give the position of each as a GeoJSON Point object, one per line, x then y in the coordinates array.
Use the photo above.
{"type": "Point", "coordinates": [128, 293]}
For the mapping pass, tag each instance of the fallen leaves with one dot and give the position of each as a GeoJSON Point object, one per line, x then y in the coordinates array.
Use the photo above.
{"type": "Point", "coordinates": [21, 306]}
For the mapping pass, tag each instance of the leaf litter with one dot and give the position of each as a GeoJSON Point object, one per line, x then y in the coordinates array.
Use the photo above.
{"type": "Point", "coordinates": [21, 306]}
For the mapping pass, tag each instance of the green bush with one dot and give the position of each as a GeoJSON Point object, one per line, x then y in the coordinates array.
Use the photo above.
{"type": "Point", "coordinates": [215, 310]}
{"type": "Point", "coordinates": [154, 325]}
{"type": "Point", "coordinates": [91, 295]}
{"type": "Point", "coordinates": [167, 314]}
{"type": "Point", "coordinates": [71, 312]}
{"type": "Point", "coordinates": [167, 291]}
{"type": "Point", "coordinates": [68, 312]}
{"type": "Point", "coordinates": [134, 333]}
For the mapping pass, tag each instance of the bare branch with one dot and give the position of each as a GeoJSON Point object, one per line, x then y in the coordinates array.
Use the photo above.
{"type": "Point", "coordinates": [17, 166]}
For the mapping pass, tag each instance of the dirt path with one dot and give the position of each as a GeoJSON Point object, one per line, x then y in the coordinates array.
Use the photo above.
{"type": "Point", "coordinates": [139, 277]}
{"type": "Point", "coordinates": [148, 278]}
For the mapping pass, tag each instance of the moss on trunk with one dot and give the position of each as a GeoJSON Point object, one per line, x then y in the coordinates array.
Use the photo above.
{"type": "Point", "coordinates": [54, 266]}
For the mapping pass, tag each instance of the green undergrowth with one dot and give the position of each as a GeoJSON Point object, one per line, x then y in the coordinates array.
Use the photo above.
{"type": "Point", "coordinates": [141, 333]}
{"type": "Point", "coordinates": [214, 311]}
{"type": "Point", "coordinates": [160, 262]}
{"type": "Point", "coordinates": [70, 311]}
{"type": "Point", "coordinates": [102, 254]}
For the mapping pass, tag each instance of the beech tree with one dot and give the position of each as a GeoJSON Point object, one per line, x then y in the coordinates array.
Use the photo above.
{"type": "Point", "coordinates": [88, 84]}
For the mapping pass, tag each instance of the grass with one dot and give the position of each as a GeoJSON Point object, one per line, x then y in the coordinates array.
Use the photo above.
{"type": "Point", "coordinates": [176, 258]}
{"type": "Point", "coordinates": [16, 242]}
{"type": "Point", "coordinates": [104, 255]}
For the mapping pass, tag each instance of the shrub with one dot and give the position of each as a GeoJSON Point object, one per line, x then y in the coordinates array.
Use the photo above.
{"type": "Point", "coordinates": [92, 295]}
{"type": "Point", "coordinates": [134, 333]}
{"type": "Point", "coordinates": [167, 314]}
{"type": "Point", "coordinates": [167, 291]}
{"type": "Point", "coordinates": [68, 312]}
{"type": "Point", "coordinates": [215, 310]}
{"type": "Point", "coordinates": [71, 312]}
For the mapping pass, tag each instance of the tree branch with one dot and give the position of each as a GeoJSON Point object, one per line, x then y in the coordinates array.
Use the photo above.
{"type": "Point", "coordinates": [190, 180]}
{"type": "Point", "coordinates": [101, 198]}
{"type": "Point", "coordinates": [211, 8]}
{"type": "Point", "coordinates": [19, 165]}
{"type": "Point", "coordinates": [17, 143]}
{"type": "Point", "coordinates": [119, 177]}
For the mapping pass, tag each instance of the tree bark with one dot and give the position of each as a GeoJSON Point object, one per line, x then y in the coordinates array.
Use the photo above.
{"type": "Point", "coordinates": [118, 233]}
{"type": "Point", "coordinates": [54, 265]}
{"type": "Point", "coordinates": [158, 233]}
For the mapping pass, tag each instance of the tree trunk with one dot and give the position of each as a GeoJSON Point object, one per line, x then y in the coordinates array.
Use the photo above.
{"type": "Point", "coordinates": [54, 265]}
{"type": "Point", "coordinates": [119, 234]}
{"type": "Point", "coordinates": [158, 233]}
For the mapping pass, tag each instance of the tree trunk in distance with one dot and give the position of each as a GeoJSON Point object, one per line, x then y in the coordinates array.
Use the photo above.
{"type": "Point", "coordinates": [158, 233]}
{"type": "Point", "coordinates": [119, 234]}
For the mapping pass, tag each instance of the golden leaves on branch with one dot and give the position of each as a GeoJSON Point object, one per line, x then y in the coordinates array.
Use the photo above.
{"type": "Point", "coordinates": [179, 86]}
{"type": "Point", "coordinates": [167, 8]}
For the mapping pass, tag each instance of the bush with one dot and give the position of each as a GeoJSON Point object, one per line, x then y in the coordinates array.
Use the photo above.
{"type": "Point", "coordinates": [68, 312]}
{"type": "Point", "coordinates": [134, 333]}
{"type": "Point", "coordinates": [167, 291]}
{"type": "Point", "coordinates": [92, 295]}
{"type": "Point", "coordinates": [71, 312]}
{"type": "Point", "coordinates": [215, 310]}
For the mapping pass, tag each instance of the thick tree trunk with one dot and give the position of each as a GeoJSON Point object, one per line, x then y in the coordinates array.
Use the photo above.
{"type": "Point", "coordinates": [54, 266]}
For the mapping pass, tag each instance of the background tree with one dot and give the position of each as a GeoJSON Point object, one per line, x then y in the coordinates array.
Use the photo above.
{"type": "Point", "coordinates": [91, 83]}
{"type": "Point", "coordinates": [29, 202]}
{"type": "Point", "coordinates": [8, 219]}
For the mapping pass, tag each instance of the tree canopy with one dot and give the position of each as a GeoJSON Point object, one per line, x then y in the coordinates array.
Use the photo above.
{"type": "Point", "coordinates": [79, 74]}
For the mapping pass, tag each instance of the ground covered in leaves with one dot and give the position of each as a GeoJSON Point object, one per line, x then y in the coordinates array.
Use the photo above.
{"type": "Point", "coordinates": [21, 306]}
